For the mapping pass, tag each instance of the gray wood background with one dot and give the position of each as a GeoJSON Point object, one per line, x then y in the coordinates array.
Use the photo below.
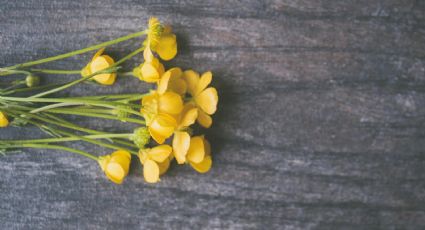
{"type": "Point", "coordinates": [321, 121]}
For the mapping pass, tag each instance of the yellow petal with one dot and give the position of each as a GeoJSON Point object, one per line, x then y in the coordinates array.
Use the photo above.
{"type": "Point", "coordinates": [208, 100]}
{"type": "Point", "coordinates": [191, 78]}
{"type": "Point", "coordinates": [115, 172]}
{"type": "Point", "coordinates": [163, 83]}
{"type": "Point", "coordinates": [196, 152]}
{"type": "Point", "coordinates": [163, 166]}
{"type": "Point", "coordinates": [148, 55]}
{"type": "Point", "coordinates": [204, 119]}
{"type": "Point", "coordinates": [3, 120]}
{"type": "Point", "coordinates": [86, 70]}
{"type": "Point", "coordinates": [100, 63]}
{"type": "Point", "coordinates": [160, 153]}
{"type": "Point", "coordinates": [103, 161]}
{"type": "Point", "coordinates": [168, 78]}
{"type": "Point", "coordinates": [189, 115]}
{"type": "Point", "coordinates": [162, 127]}
{"type": "Point", "coordinates": [98, 53]}
{"type": "Point", "coordinates": [151, 171]}
{"type": "Point", "coordinates": [181, 143]}
{"type": "Point", "coordinates": [207, 147]}
{"type": "Point", "coordinates": [204, 166]}
{"type": "Point", "coordinates": [143, 156]}
{"type": "Point", "coordinates": [122, 158]}
{"type": "Point", "coordinates": [170, 103]}
{"type": "Point", "coordinates": [167, 47]}
{"type": "Point", "coordinates": [160, 69]}
{"type": "Point", "coordinates": [149, 72]}
{"type": "Point", "coordinates": [178, 86]}
{"type": "Point", "coordinates": [204, 81]}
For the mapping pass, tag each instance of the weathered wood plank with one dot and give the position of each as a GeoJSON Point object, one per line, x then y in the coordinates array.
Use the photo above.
{"type": "Point", "coordinates": [321, 123]}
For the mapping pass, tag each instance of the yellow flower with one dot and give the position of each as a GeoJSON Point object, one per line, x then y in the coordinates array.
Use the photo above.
{"type": "Point", "coordinates": [167, 45]}
{"type": "Point", "coordinates": [161, 39]}
{"type": "Point", "coordinates": [199, 154]}
{"type": "Point", "coordinates": [206, 99]}
{"type": "Point", "coordinates": [181, 139]}
{"type": "Point", "coordinates": [157, 110]}
{"type": "Point", "coordinates": [151, 70]}
{"type": "Point", "coordinates": [3, 120]}
{"type": "Point", "coordinates": [155, 103]}
{"type": "Point", "coordinates": [116, 165]}
{"type": "Point", "coordinates": [155, 162]}
{"type": "Point", "coordinates": [100, 62]}
{"type": "Point", "coordinates": [172, 81]}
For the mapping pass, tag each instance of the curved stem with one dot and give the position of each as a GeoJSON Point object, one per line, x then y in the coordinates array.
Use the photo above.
{"type": "Point", "coordinates": [76, 52]}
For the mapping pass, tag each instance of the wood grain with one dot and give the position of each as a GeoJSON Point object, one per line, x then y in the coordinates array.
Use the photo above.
{"type": "Point", "coordinates": [321, 122]}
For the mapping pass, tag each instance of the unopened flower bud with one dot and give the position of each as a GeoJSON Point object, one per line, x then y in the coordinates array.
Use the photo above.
{"type": "Point", "coordinates": [141, 137]}
{"type": "Point", "coordinates": [32, 80]}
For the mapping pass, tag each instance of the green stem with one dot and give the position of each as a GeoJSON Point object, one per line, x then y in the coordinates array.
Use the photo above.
{"type": "Point", "coordinates": [98, 115]}
{"type": "Point", "coordinates": [91, 75]}
{"type": "Point", "coordinates": [67, 85]}
{"type": "Point", "coordinates": [63, 139]}
{"type": "Point", "coordinates": [31, 89]}
{"type": "Point", "coordinates": [62, 123]}
{"type": "Point", "coordinates": [76, 52]}
{"type": "Point", "coordinates": [73, 101]}
{"type": "Point", "coordinates": [57, 147]}
{"type": "Point", "coordinates": [55, 71]}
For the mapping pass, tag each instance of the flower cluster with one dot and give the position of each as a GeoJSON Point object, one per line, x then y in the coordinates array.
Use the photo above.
{"type": "Point", "coordinates": [165, 116]}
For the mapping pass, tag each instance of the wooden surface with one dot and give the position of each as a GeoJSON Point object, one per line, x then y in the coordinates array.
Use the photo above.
{"type": "Point", "coordinates": [321, 121]}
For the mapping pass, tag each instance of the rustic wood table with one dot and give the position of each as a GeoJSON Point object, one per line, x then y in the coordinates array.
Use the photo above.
{"type": "Point", "coordinates": [321, 121]}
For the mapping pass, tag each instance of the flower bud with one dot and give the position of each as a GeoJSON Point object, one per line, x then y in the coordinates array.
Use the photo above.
{"type": "Point", "coordinates": [141, 137]}
{"type": "Point", "coordinates": [32, 80]}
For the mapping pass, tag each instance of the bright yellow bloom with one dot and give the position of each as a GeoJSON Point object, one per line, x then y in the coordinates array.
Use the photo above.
{"type": "Point", "coordinates": [155, 162]}
{"type": "Point", "coordinates": [3, 120]}
{"type": "Point", "coordinates": [116, 165]}
{"type": "Point", "coordinates": [151, 70]}
{"type": "Point", "coordinates": [161, 39]}
{"type": "Point", "coordinates": [181, 139]}
{"type": "Point", "coordinates": [172, 81]}
{"type": "Point", "coordinates": [100, 62]}
{"type": "Point", "coordinates": [206, 99]}
{"type": "Point", "coordinates": [158, 111]}
{"type": "Point", "coordinates": [199, 154]}
{"type": "Point", "coordinates": [155, 103]}
{"type": "Point", "coordinates": [167, 45]}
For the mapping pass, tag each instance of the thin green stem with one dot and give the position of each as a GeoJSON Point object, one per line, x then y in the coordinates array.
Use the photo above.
{"type": "Point", "coordinates": [55, 71]}
{"type": "Point", "coordinates": [62, 123]}
{"type": "Point", "coordinates": [57, 147]}
{"type": "Point", "coordinates": [76, 52]}
{"type": "Point", "coordinates": [110, 69]}
{"type": "Point", "coordinates": [63, 139]}
{"type": "Point", "coordinates": [31, 89]}
{"type": "Point", "coordinates": [98, 115]}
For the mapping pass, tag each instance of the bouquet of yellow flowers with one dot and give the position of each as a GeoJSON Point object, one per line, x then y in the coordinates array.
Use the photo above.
{"type": "Point", "coordinates": [164, 117]}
